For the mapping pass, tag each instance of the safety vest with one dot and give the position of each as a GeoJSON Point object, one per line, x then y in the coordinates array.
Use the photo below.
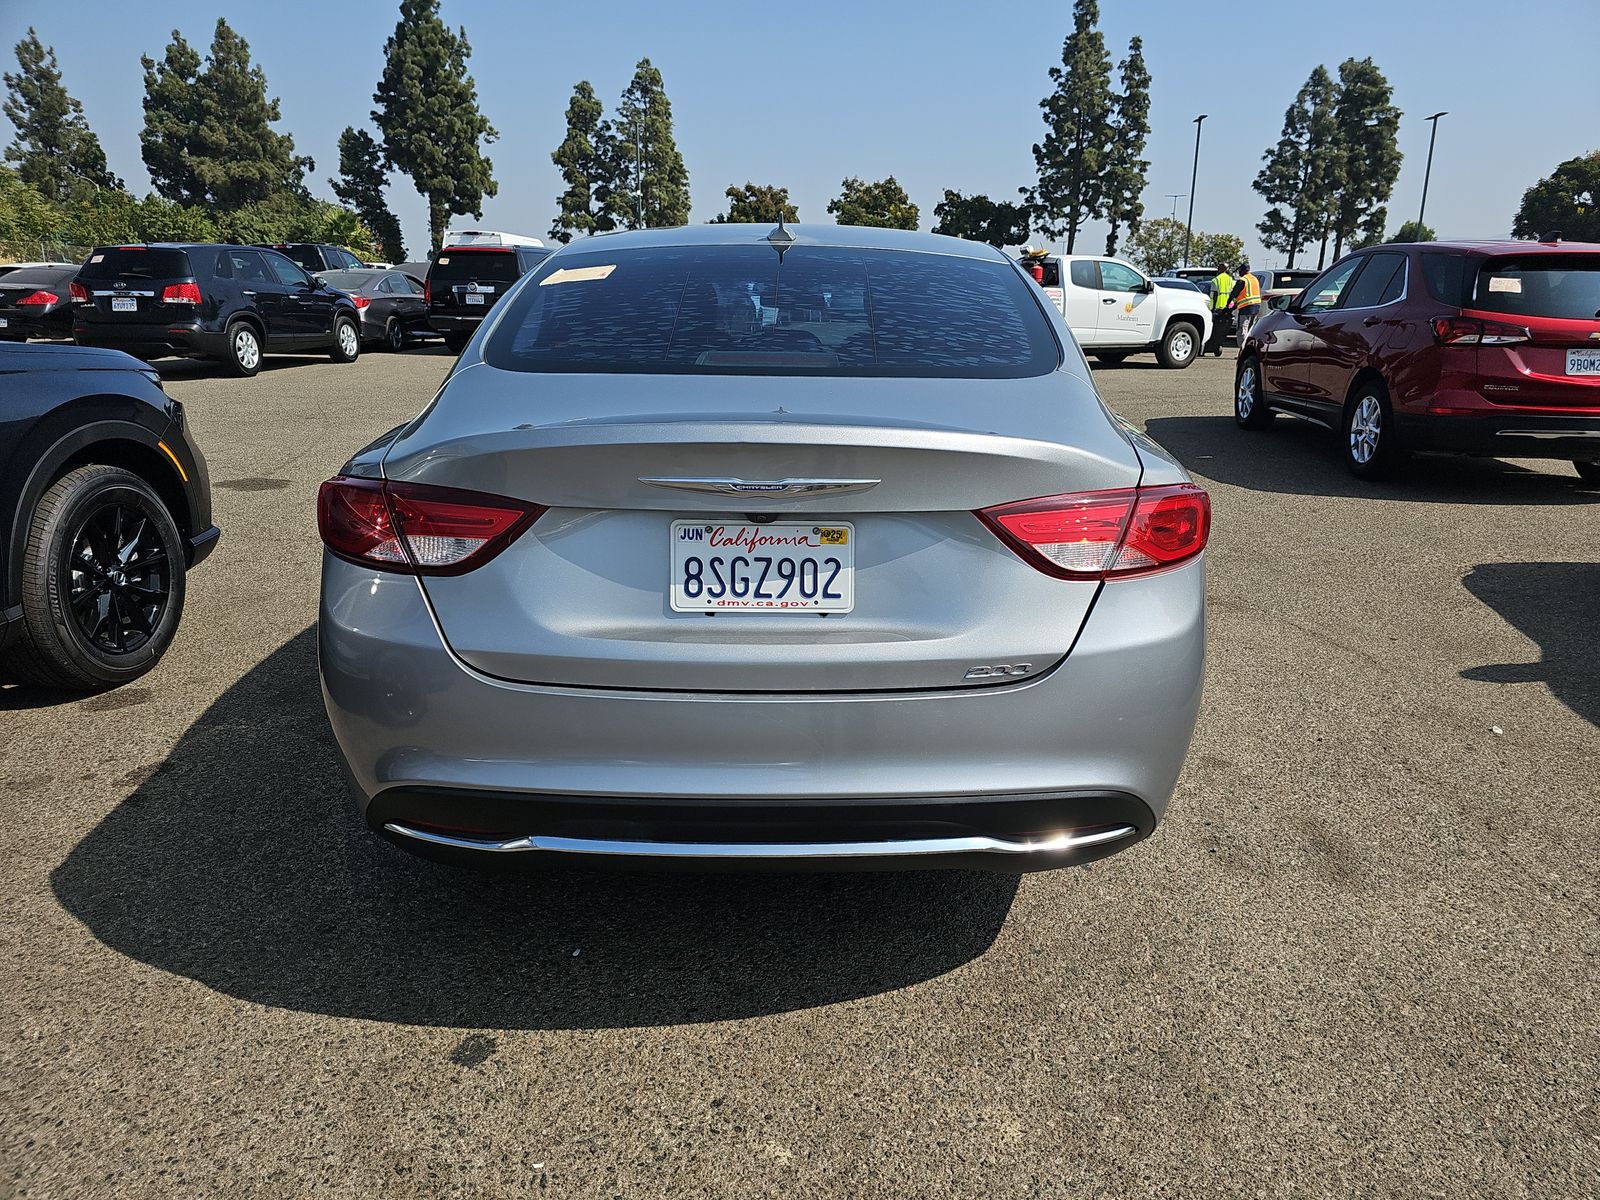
{"type": "Point", "coordinates": [1252, 291]}
{"type": "Point", "coordinates": [1223, 282]}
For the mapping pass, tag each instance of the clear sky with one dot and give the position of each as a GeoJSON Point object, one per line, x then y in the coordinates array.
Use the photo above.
{"type": "Point", "coordinates": [937, 93]}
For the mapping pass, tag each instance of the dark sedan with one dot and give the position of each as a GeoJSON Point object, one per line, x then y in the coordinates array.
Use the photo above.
{"type": "Point", "coordinates": [36, 302]}
{"type": "Point", "coordinates": [394, 310]}
{"type": "Point", "coordinates": [105, 505]}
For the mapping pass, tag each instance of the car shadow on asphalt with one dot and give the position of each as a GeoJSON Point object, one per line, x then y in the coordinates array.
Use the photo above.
{"type": "Point", "coordinates": [240, 862]}
{"type": "Point", "coordinates": [1295, 457]}
{"type": "Point", "coordinates": [1557, 605]}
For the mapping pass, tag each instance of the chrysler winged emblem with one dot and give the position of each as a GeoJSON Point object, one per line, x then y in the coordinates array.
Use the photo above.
{"type": "Point", "coordinates": [762, 487]}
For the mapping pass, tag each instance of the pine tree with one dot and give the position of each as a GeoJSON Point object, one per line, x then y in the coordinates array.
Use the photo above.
{"type": "Point", "coordinates": [1299, 180]}
{"type": "Point", "coordinates": [362, 178]}
{"type": "Point", "coordinates": [647, 185]}
{"type": "Point", "coordinates": [757, 204]}
{"type": "Point", "coordinates": [883, 204]}
{"type": "Point", "coordinates": [55, 150]}
{"type": "Point", "coordinates": [427, 111]}
{"type": "Point", "coordinates": [1077, 117]}
{"type": "Point", "coordinates": [581, 164]}
{"type": "Point", "coordinates": [1125, 169]}
{"type": "Point", "coordinates": [208, 137]}
{"type": "Point", "coordinates": [980, 219]}
{"type": "Point", "coordinates": [1369, 153]}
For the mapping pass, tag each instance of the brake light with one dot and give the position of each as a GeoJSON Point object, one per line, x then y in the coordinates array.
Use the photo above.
{"type": "Point", "coordinates": [79, 293]}
{"type": "Point", "coordinates": [1470, 331]}
{"type": "Point", "coordinates": [1106, 535]}
{"type": "Point", "coordinates": [181, 293]}
{"type": "Point", "coordinates": [427, 291]}
{"type": "Point", "coordinates": [417, 529]}
{"type": "Point", "coordinates": [360, 301]}
{"type": "Point", "coordinates": [40, 297]}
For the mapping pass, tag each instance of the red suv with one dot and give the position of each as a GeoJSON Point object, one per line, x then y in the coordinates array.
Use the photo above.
{"type": "Point", "coordinates": [1489, 348]}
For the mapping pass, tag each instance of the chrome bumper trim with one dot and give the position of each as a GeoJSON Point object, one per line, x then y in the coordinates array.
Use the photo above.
{"type": "Point", "coordinates": [1556, 435]}
{"type": "Point", "coordinates": [911, 848]}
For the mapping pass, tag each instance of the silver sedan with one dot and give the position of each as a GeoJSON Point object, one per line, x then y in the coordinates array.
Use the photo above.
{"type": "Point", "coordinates": [731, 545]}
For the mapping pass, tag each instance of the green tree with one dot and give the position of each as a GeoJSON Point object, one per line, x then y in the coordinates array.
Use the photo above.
{"type": "Point", "coordinates": [1299, 177]}
{"type": "Point", "coordinates": [981, 219]}
{"type": "Point", "coordinates": [427, 111]}
{"type": "Point", "coordinates": [1157, 246]}
{"type": "Point", "coordinates": [883, 204]}
{"type": "Point", "coordinates": [362, 178]}
{"type": "Point", "coordinates": [582, 166]}
{"type": "Point", "coordinates": [757, 204]}
{"type": "Point", "coordinates": [647, 185]}
{"type": "Point", "coordinates": [1216, 249]}
{"type": "Point", "coordinates": [1368, 126]}
{"type": "Point", "coordinates": [1077, 117]}
{"type": "Point", "coordinates": [55, 150]}
{"type": "Point", "coordinates": [1567, 200]}
{"type": "Point", "coordinates": [1413, 231]}
{"type": "Point", "coordinates": [208, 138]}
{"type": "Point", "coordinates": [1125, 165]}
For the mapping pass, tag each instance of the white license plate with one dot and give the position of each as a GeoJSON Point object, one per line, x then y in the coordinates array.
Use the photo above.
{"type": "Point", "coordinates": [474, 298]}
{"type": "Point", "coordinates": [124, 304]}
{"type": "Point", "coordinates": [743, 567]}
{"type": "Point", "coordinates": [3, 322]}
{"type": "Point", "coordinates": [1583, 362]}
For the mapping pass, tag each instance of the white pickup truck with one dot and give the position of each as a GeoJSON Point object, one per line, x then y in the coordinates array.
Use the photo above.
{"type": "Point", "coordinates": [1116, 310]}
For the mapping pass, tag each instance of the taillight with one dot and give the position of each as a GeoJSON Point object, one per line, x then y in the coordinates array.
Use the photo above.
{"type": "Point", "coordinates": [40, 297]}
{"type": "Point", "coordinates": [79, 293]}
{"type": "Point", "coordinates": [1470, 331]}
{"type": "Point", "coordinates": [427, 291]}
{"type": "Point", "coordinates": [417, 529]}
{"type": "Point", "coordinates": [361, 301]}
{"type": "Point", "coordinates": [181, 293]}
{"type": "Point", "coordinates": [1106, 535]}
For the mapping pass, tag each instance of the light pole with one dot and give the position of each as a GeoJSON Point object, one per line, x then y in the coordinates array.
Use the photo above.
{"type": "Point", "coordinates": [1188, 228]}
{"type": "Point", "coordinates": [1175, 197]}
{"type": "Point", "coordinates": [1423, 207]}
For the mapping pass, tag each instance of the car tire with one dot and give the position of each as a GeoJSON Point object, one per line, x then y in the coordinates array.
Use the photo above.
{"type": "Point", "coordinates": [1180, 346]}
{"type": "Point", "coordinates": [1111, 358]}
{"type": "Point", "coordinates": [1250, 409]}
{"type": "Point", "coordinates": [455, 343]}
{"type": "Point", "coordinates": [103, 575]}
{"type": "Point", "coordinates": [1368, 429]}
{"type": "Point", "coordinates": [346, 346]}
{"type": "Point", "coordinates": [244, 349]}
{"type": "Point", "coordinates": [1589, 472]}
{"type": "Point", "coordinates": [394, 335]}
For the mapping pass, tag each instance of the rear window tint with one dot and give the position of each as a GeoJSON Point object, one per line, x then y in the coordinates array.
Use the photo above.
{"type": "Point", "coordinates": [1377, 282]}
{"type": "Point", "coordinates": [739, 310]}
{"type": "Point", "coordinates": [308, 257]}
{"type": "Point", "coordinates": [348, 281]}
{"type": "Point", "coordinates": [136, 262]}
{"type": "Point", "coordinates": [38, 276]}
{"type": "Point", "coordinates": [462, 266]}
{"type": "Point", "coordinates": [1443, 275]}
{"type": "Point", "coordinates": [1562, 286]}
{"type": "Point", "coordinates": [1083, 274]}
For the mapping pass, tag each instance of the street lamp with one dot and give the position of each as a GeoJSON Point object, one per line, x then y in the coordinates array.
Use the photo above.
{"type": "Point", "coordinates": [1175, 197]}
{"type": "Point", "coordinates": [1188, 228]}
{"type": "Point", "coordinates": [1423, 207]}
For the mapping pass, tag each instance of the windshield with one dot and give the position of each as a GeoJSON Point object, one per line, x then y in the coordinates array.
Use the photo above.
{"type": "Point", "coordinates": [135, 262]}
{"type": "Point", "coordinates": [1562, 286]}
{"type": "Point", "coordinates": [348, 281]}
{"type": "Point", "coordinates": [741, 310]}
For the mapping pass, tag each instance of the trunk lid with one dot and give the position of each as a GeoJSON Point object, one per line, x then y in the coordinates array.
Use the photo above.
{"type": "Point", "coordinates": [126, 285]}
{"type": "Point", "coordinates": [1555, 296]}
{"type": "Point", "coordinates": [467, 282]}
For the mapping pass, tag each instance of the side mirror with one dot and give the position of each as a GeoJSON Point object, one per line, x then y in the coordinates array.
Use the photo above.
{"type": "Point", "coordinates": [1147, 286]}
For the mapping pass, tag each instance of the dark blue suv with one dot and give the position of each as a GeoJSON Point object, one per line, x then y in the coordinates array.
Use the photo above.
{"type": "Point", "coordinates": [229, 303]}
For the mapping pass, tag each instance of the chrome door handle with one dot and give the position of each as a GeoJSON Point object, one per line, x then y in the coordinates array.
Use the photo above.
{"type": "Point", "coordinates": [249, 293]}
{"type": "Point", "coordinates": [1108, 299]}
{"type": "Point", "coordinates": [1370, 321]}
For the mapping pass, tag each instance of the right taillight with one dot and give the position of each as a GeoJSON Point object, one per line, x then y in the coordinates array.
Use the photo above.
{"type": "Point", "coordinates": [417, 529]}
{"type": "Point", "coordinates": [181, 293]}
{"type": "Point", "coordinates": [78, 293]}
{"type": "Point", "coordinates": [1470, 331]}
{"type": "Point", "coordinates": [1106, 535]}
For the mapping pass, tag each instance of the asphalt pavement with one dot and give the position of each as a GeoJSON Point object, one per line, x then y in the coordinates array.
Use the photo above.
{"type": "Point", "coordinates": [1359, 957]}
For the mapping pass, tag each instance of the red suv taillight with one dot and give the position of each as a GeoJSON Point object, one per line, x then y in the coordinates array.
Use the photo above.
{"type": "Point", "coordinates": [1106, 535]}
{"type": "Point", "coordinates": [427, 292]}
{"type": "Point", "coordinates": [79, 293]}
{"type": "Point", "coordinates": [416, 529]}
{"type": "Point", "coordinates": [1470, 331]}
{"type": "Point", "coordinates": [181, 293]}
{"type": "Point", "coordinates": [40, 297]}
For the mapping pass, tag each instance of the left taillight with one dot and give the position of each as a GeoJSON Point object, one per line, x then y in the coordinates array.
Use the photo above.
{"type": "Point", "coordinates": [40, 297]}
{"type": "Point", "coordinates": [1108, 534]}
{"type": "Point", "coordinates": [181, 293]}
{"type": "Point", "coordinates": [416, 529]}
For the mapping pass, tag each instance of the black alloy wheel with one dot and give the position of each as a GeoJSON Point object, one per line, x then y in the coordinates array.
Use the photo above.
{"type": "Point", "coordinates": [117, 578]}
{"type": "Point", "coordinates": [394, 335]}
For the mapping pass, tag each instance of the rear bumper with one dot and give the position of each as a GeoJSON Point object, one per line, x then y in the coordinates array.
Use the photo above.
{"type": "Point", "coordinates": [444, 752]}
{"type": "Point", "coordinates": [440, 323]}
{"type": "Point", "coordinates": [1503, 434]}
{"type": "Point", "coordinates": [146, 339]}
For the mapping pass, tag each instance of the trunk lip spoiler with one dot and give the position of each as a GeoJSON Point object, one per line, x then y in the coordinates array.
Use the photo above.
{"type": "Point", "coordinates": [727, 486]}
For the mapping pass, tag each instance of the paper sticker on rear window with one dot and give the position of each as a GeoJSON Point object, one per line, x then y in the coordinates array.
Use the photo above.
{"type": "Point", "coordinates": [1503, 284]}
{"type": "Point", "coordinates": [442, 261]}
{"type": "Point", "coordinates": [96, 257]}
{"type": "Point", "coordinates": [577, 274]}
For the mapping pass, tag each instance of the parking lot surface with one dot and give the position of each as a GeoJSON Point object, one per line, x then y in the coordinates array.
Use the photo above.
{"type": "Point", "coordinates": [1358, 958]}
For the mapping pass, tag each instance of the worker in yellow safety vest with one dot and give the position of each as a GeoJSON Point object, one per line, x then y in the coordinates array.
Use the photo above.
{"type": "Point", "coordinates": [1221, 294]}
{"type": "Point", "coordinates": [1246, 301]}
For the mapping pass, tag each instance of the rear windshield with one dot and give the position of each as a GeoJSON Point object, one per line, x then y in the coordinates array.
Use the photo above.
{"type": "Point", "coordinates": [348, 281]}
{"type": "Point", "coordinates": [1277, 280]}
{"type": "Point", "coordinates": [462, 266]}
{"type": "Point", "coordinates": [309, 257]}
{"type": "Point", "coordinates": [35, 276]}
{"type": "Point", "coordinates": [135, 262]}
{"type": "Point", "coordinates": [1564, 286]}
{"type": "Point", "coordinates": [740, 310]}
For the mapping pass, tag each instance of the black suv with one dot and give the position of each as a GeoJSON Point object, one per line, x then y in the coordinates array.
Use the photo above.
{"type": "Point", "coordinates": [316, 256]}
{"type": "Point", "coordinates": [230, 303]}
{"type": "Point", "coordinates": [465, 281]}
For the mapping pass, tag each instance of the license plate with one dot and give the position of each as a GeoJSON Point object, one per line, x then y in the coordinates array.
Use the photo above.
{"type": "Point", "coordinates": [124, 304]}
{"type": "Point", "coordinates": [474, 298]}
{"type": "Point", "coordinates": [741, 567]}
{"type": "Point", "coordinates": [3, 322]}
{"type": "Point", "coordinates": [1583, 362]}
